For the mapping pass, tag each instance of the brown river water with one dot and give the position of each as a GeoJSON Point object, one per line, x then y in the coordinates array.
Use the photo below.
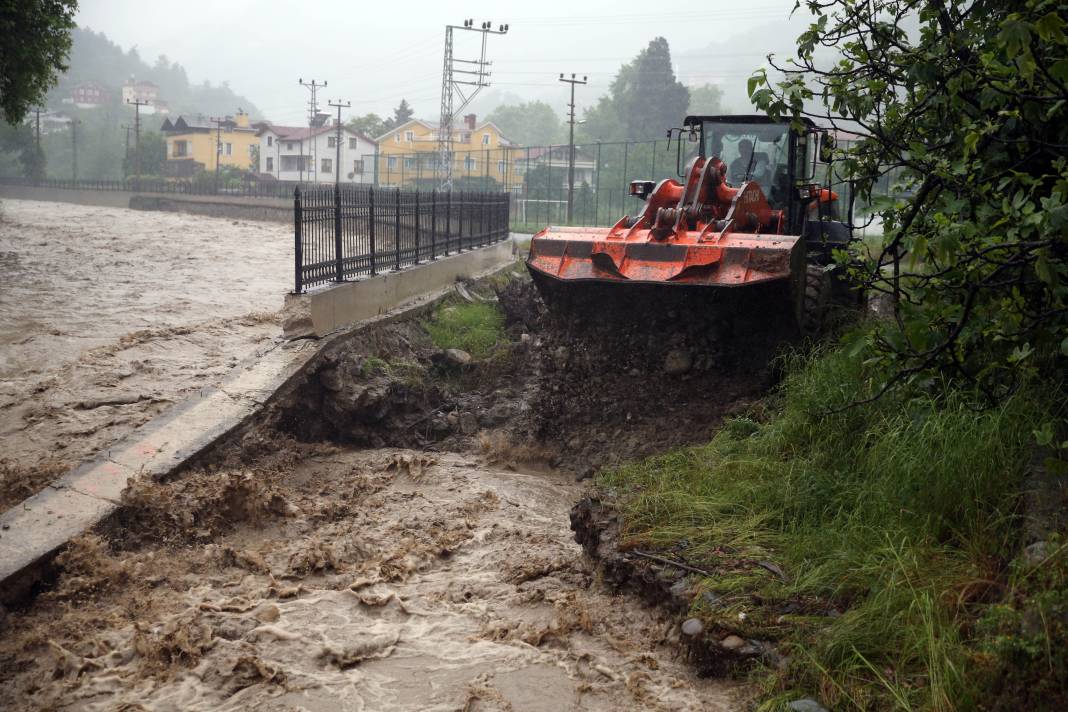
{"type": "Point", "coordinates": [108, 316]}
{"type": "Point", "coordinates": [353, 580]}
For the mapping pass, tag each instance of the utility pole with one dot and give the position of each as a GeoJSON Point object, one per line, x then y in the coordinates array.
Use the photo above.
{"type": "Point", "coordinates": [218, 144]}
{"type": "Point", "coordinates": [477, 75]}
{"type": "Point", "coordinates": [126, 157]}
{"type": "Point", "coordinates": [37, 130]}
{"type": "Point", "coordinates": [74, 149]}
{"type": "Point", "coordinates": [337, 141]}
{"type": "Point", "coordinates": [313, 110]}
{"type": "Point", "coordinates": [571, 146]}
{"type": "Point", "coordinates": [137, 104]}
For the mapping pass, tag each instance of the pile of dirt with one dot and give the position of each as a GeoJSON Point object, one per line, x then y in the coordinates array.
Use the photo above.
{"type": "Point", "coordinates": [584, 385]}
{"type": "Point", "coordinates": [618, 373]}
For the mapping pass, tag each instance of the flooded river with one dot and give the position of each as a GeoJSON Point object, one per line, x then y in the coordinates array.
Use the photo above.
{"type": "Point", "coordinates": [108, 316]}
{"type": "Point", "coordinates": [353, 580]}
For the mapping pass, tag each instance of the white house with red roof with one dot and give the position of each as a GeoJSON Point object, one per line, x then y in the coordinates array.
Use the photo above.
{"type": "Point", "coordinates": [310, 154]}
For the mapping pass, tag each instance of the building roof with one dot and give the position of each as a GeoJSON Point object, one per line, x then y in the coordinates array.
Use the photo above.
{"type": "Point", "coordinates": [199, 124]}
{"type": "Point", "coordinates": [433, 126]}
{"type": "Point", "coordinates": [299, 133]}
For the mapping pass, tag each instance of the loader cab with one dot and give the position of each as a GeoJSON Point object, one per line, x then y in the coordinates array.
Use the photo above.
{"type": "Point", "coordinates": [785, 162]}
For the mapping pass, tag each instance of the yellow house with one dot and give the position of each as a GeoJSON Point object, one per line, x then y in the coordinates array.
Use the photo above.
{"type": "Point", "coordinates": [481, 156]}
{"type": "Point", "coordinates": [196, 143]}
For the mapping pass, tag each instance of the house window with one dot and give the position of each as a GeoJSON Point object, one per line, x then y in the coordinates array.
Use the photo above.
{"type": "Point", "coordinates": [289, 145]}
{"type": "Point", "coordinates": [331, 142]}
{"type": "Point", "coordinates": [270, 163]}
{"type": "Point", "coordinates": [252, 150]}
{"type": "Point", "coordinates": [408, 164]}
{"type": "Point", "coordinates": [357, 165]}
{"type": "Point", "coordinates": [409, 136]}
{"type": "Point", "coordinates": [270, 140]}
{"type": "Point", "coordinates": [396, 138]}
{"type": "Point", "coordinates": [485, 139]}
{"type": "Point", "coordinates": [179, 149]}
{"type": "Point", "coordinates": [392, 163]}
{"type": "Point", "coordinates": [500, 167]}
{"type": "Point", "coordinates": [470, 164]}
{"type": "Point", "coordinates": [352, 144]}
{"type": "Point", "coordinates": [328, 165]}
{"type": "Point", "coordinates": [229, 149]}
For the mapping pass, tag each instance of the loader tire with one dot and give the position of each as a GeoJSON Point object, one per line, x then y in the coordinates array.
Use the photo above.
{"type": "Point", "coordinates": [814, 301]}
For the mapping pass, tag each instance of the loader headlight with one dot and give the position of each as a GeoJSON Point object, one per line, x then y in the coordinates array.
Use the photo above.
{"type": "Point", "coordinates": [641, 188]}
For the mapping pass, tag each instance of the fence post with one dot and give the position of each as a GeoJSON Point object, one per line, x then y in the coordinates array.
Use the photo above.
{"type": "Point", "coordinates": [464, 197]}
{"type": "Point", "coordinates": [339, 267]}
{"type": "Point", "coordinates": [298, 246]}
{"type": "Point", "coordinates": [396, 230]}
{"type": "Point", "coordinates": [371, 226]}
{"type": "Point", "coordinates": [434, 224]}
{"type": "Point", "coordinates": [448, 220]}
{"type": "Point", "coordinates": [417, 220]}
{"type": "Point", "coordinates": [482, 219]}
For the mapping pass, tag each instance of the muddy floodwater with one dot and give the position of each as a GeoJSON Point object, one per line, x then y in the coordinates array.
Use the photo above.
{"type": "Point", "coordinates": [108, 316]}
{"type": "Point", "coordinates": [328, 579]}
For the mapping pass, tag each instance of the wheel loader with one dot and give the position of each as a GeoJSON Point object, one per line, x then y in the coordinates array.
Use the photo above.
{"type": "Point", "coordinates": [747, 212]}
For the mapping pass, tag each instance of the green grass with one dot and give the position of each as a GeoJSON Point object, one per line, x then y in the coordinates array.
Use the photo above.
{"type": "Point", "coordinates": [475, 328]}
{"type": "Point", "coordinates": [895, 514]}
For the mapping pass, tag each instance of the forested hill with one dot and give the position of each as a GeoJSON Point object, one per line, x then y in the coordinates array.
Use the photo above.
{"type": "Point", "coordinates": [94, 57]}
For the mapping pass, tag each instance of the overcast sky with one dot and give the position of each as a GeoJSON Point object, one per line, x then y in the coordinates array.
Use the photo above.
{"type": "Point", "coordinates": [373, 54]}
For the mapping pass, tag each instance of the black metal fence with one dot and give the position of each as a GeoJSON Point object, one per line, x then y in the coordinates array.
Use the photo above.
{"type": "Point", "coordinates": [352, 231]}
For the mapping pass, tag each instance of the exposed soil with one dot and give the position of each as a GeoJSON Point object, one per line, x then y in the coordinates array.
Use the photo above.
{"type": "Point", "coordinates": [109, 316]}
{"type": "Point", "coordinates": [577, 389]}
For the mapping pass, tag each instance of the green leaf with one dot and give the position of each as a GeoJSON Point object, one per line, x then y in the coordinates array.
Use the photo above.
{"type": "Point", "coordinates": [1044, 435]}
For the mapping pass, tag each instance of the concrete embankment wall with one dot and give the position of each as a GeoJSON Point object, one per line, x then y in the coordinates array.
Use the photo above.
{"type": "Point", "coordinates": [325, 310]}
{"type": "Point", "coordinates": [221, 206]}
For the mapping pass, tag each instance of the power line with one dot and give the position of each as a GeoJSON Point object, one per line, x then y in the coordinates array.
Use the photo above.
{"type": "Point", "coordinates": [126, 158]}
{"type": "Point", "coordinates": [218, 144]}
{"type": "Point", "coordinates": [337, 143]}
{"type": "Point", "coordinates": [571, 144]}
{"type": "Point", "coordinates": [313, 111]}
{"type": "Point", "coordinates": [137, 104]}
{"type": "Point", "coordinates": [474, 73]}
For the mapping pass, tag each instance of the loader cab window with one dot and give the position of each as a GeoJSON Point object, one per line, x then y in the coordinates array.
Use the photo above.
{"type": "Point", "coordinates": [755, 152]}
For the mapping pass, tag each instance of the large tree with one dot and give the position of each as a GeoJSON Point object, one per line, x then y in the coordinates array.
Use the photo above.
{"type": "Point", "coordinates": [370, 125]}
{"type": "Point", "coordinates": [36, 42]}
{"type": "Point", "coordinates": [401, 115]}
{"type": "Point", "coordinates": [533, 123]}
{"type": "Point", "coordinates": [644, 100]}
{"type": "Point", "coordinates": [970, 108]}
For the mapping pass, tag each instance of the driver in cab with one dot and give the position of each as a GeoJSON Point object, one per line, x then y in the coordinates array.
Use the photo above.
{"type": "Point", "coordinates": [744, 164]}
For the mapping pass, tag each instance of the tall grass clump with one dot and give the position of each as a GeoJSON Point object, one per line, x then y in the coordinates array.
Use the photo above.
{"type": "Point", "coordinates": [891, 521]}
{"type": "Point", "coordinates": [472, 327]}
